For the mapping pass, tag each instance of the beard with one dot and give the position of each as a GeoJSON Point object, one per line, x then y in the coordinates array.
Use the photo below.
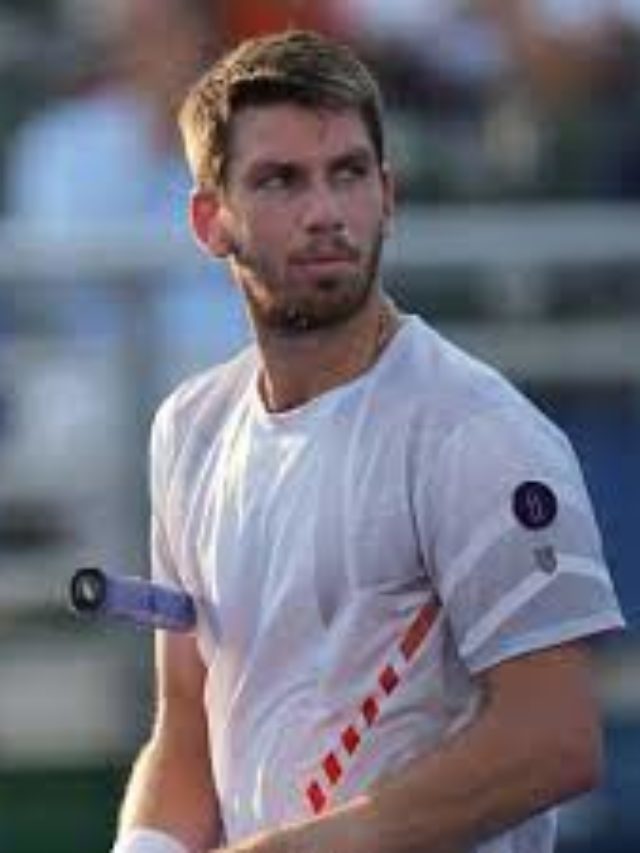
{"type": "Point", "coordinates": [329, 300]}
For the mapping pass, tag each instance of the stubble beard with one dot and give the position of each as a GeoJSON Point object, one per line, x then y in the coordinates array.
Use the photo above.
{"type": "Point", "coordinates": [332, 301]}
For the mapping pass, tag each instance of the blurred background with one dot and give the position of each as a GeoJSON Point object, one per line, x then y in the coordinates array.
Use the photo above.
{"type": "Point", "coordinates": [515, 130]}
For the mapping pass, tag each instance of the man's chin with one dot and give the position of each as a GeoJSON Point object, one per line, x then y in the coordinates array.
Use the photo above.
{"type": "Point", "coordinates": [314, 315]}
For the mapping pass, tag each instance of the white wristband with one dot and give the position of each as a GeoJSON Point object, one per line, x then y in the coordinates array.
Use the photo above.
{"type": "Point", "coordinates": [144, 840]}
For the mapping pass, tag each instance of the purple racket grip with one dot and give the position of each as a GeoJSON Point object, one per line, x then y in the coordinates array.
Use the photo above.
{"type": "Point", "coordinates": [94, 592]}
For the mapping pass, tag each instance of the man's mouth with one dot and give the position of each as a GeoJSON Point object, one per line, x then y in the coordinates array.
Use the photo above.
{"type": "Point", "coordinates": [313, 260]}
{"type": "Point", "coordinates": [326, 257]}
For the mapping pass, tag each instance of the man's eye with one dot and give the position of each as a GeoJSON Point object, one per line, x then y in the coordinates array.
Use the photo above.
{"type": "Point", "coordinates": [276, 181]}
{"type": "Point", "coordinates": [351, 172]}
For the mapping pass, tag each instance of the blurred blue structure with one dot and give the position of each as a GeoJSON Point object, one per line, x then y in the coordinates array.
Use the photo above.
{"type": "Point", "coordinates": [606, 434]}
{"type": "Point", "coordinates": [109, 155]}
{"type": "Point", "coordinates": [605, 431]}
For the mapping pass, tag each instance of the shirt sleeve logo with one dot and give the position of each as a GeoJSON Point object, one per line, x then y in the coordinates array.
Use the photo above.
{"type": "Point", "coordinates": [534, 505]}
{"type": "Point", "coordinates": [546, 559]}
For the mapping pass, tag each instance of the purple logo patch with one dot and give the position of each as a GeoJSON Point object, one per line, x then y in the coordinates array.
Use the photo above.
{"type": "Point", "coordinates": [534, 504]}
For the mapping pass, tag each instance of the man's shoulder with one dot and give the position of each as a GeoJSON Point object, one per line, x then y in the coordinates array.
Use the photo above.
{"type": "Point", "coordinates": [446, 375]}
{"type": "Point", "coordinates": [453, 388]}
{"type": "Point", "coordinates": [207, 395]}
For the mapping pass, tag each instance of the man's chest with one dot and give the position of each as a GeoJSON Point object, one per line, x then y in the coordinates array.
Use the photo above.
{"type": "Point", "coordinates": [291, 522]}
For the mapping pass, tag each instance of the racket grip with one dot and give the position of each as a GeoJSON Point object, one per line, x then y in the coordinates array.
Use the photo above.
{"type": "Point", "coordinates": [94, 592]}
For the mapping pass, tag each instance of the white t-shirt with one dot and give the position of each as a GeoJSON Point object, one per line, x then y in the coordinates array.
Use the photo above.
{"type": "Point", "coordinates": [358, 559]}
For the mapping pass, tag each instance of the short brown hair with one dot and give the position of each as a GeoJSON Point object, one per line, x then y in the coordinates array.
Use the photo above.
{"type": "Point", "coordinates": [295, 66]}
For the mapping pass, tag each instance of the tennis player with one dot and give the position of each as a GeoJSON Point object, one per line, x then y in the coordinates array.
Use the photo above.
{"type": "Point", "coordinates": [394, 558]}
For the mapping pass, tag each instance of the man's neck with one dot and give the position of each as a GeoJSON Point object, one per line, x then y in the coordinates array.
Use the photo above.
{"type": "Point", "coordinates": [297, 368]}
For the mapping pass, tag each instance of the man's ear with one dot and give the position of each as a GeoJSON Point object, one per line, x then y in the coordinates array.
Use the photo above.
{"type": "Point", "coordinates": [206, 218]}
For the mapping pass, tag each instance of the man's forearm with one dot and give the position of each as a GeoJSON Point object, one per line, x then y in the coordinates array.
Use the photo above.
{"type": "Point", "coordinates": [170, 789]}
{"type": "Point", "coordinates": [536, 743]}
{"type": "Point", "coordinates": [468, 792]}
{"type": "Point", "coordinates": [526, 751]}
{"type": "Point", "coordinates": [447, 802]}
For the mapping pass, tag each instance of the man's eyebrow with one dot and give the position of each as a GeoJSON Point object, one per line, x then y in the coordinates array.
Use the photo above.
{"type": "Point", "coordinates": [359, 154]}
{"type": "Point", "coordinates": [272, 164]}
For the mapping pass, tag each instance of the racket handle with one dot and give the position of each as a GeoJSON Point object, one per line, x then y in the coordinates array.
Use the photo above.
{"type": "Point", "coordinates": [94, 592]}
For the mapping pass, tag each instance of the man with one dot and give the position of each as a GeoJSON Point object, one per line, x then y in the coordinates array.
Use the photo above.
{"type": "Point", "coordinates": [392, 552]}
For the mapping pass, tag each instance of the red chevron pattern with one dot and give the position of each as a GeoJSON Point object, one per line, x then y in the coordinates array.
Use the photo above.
{"type": "Point", "coordinates": [354, 735]}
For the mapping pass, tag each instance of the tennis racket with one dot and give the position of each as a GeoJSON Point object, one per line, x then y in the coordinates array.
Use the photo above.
{"type": "Point", "coordinates": [96, 593]}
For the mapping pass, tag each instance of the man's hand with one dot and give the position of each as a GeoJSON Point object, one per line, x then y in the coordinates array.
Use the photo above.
{"type": "Point", "coordinates": [341, 830]}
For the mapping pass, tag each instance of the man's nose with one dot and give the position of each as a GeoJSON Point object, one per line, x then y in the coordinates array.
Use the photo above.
{"type": "Point", "coordinates": [322, 209]}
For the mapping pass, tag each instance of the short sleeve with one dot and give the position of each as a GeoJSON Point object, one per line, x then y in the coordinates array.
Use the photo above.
{"type": "Point", "coordinates": [510, 538]}
{"type": "Point", "coordinates": [161, 453]}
